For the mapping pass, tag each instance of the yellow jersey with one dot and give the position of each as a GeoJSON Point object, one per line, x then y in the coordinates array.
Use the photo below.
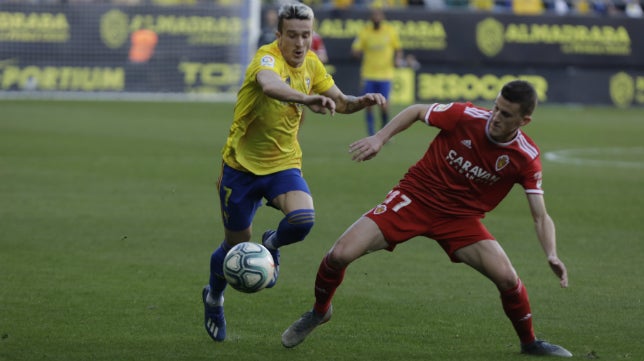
{"type": "Point", "coordinates": [378, 48]}
{"type": "Point", "coordinates": [263, 135]}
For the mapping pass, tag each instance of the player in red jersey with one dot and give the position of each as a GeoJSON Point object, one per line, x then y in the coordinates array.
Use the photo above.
{"type": "Point", "coordinates": [470, 166]}
{"type": "Point", "coordinates": [317, 45]}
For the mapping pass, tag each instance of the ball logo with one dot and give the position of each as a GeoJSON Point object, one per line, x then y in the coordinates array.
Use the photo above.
{"type": "Point", "coordinates": [490, 37]}
{"type": "Point", "coordinates": [114, 29]}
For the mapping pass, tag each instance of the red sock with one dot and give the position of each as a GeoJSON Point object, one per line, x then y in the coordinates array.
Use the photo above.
{"type": "Point", "coordinates": [517, 307]}
{"type": "Point", "coordinates": [327, 282]}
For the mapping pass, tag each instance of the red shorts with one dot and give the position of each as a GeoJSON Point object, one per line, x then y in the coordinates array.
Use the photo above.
{"type": "Point", "coordinates": [400, 219]}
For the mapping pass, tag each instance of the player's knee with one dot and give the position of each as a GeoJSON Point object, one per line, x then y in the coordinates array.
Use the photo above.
{"type": "Point", "coordinates": [336, 259]}
{"type": "Point", "coordinates": [506, 279]}
{"type": "Point", "coordinates": [511, 281]}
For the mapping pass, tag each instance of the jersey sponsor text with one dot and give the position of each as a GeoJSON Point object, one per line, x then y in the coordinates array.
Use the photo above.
{"type": "Point", "coordinates": [469, 170]}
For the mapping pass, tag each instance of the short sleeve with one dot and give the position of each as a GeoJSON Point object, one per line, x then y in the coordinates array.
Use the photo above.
{"type": "Point", "coordinates": [322, 80]}
{"type": "Point", "coordinates": [444, 116]}
{"type": "Point", "coordinates": [532, 177]}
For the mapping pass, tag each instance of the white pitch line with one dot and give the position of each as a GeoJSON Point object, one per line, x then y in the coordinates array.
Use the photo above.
{"type": "Point", "coordinates": [584, 156]}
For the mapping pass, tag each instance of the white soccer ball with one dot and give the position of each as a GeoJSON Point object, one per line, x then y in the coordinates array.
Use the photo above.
{"type": "Point", "coordinates": [249, 267]}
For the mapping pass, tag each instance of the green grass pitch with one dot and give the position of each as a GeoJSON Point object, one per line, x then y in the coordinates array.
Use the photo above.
{"type": "Point", "coordinates": [109, 213]}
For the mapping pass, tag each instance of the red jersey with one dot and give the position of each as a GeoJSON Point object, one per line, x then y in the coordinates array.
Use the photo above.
{"type": "Point", "coordinates": [317, 44]}
{"type": "Point", "coordinates": [466, 173]}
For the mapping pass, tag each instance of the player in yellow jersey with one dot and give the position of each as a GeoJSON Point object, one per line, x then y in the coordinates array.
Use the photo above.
{"type": "Point", "coordinates": [379, 47]}
{"type": "Point", "coordinates": [262, 158]}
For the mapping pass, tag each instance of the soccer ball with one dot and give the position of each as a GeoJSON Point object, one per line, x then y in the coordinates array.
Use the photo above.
{"type": "Point", "coordinates": [249, 267]}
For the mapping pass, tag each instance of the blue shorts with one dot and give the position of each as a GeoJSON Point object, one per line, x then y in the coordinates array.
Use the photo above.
{"type": "Point", "coordinates": [241, 193]}
{"type": "Point", "coordinates": [378, 86]}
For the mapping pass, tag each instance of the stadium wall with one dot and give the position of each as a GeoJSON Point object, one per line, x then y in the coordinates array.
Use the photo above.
{"type": "Point", "coordinates": [468, 55]}
{"type": "Point", "coordinates": [83, 51]}
{"type": "Point", "coordinates": [86, 50]}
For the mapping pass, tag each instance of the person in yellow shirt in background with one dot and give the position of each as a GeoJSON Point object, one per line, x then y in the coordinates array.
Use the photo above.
{"type": "Point", "coordinates": [342, 4]}
{"type": "Point", "coordinates": [378, 44]}
{"type": "Point", "coordinates": [262, 157]}
{"type": "Point", "coordinates": [482, 5]}
{"type": "Point", "coordinates": [527, 7]}
{"type": "Point", "coordinates": [581, 7]}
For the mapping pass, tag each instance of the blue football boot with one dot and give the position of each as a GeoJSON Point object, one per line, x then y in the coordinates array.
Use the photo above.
{"type": "Point", "coordinates": [214, 320]}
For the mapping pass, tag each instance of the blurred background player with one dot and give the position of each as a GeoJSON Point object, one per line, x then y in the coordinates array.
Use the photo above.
{"type": "Point", "coordinates": [378, 44]}
{"type": "Point", "coordinates": [317, 46]}
{"type": "Point", "coordinates": [269, 27]}
{"type": "Point", "coordinates": [143, 43]}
